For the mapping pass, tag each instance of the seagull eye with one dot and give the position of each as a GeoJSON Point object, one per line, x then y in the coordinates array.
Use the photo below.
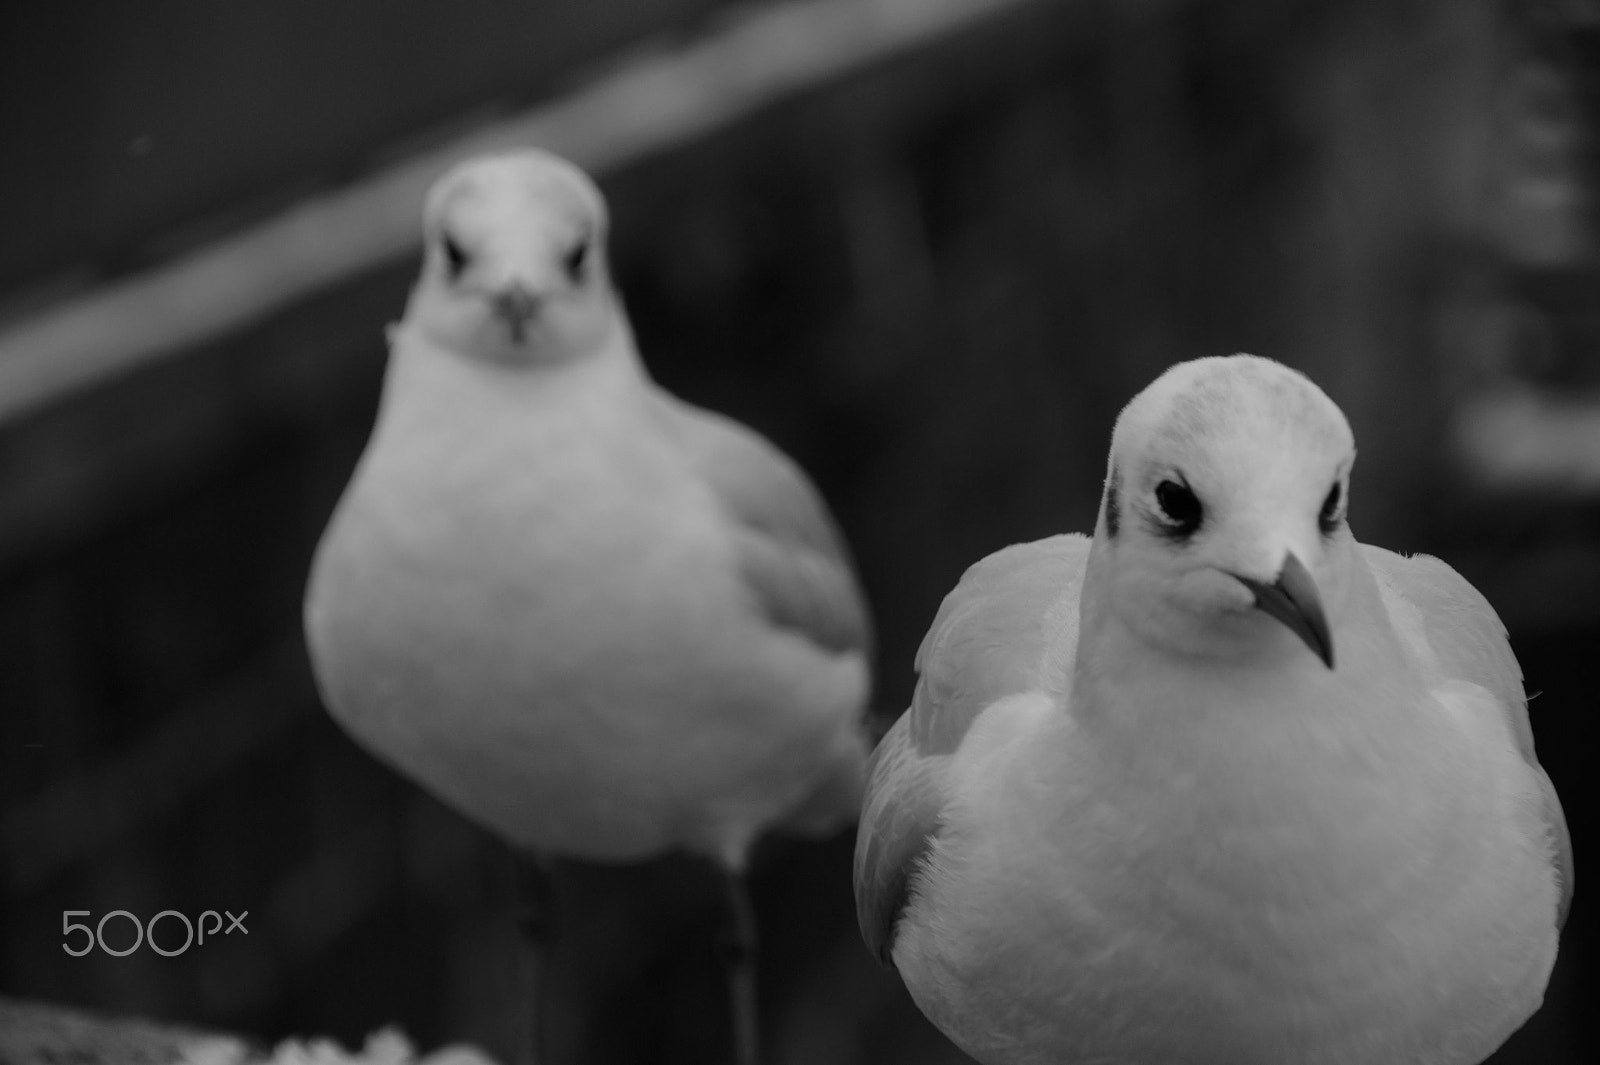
{"type": "Point", "coordinates": [1180, 507]}
{"type": "Point", "coordinates": [455, 256]}
{"type": "Point", "coordinates": [1329, 516]}
{"type": "Point", "coordinates": [576, 259]}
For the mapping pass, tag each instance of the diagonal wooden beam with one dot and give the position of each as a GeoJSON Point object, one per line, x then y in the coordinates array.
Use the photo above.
{"type": "Point", "coordinates": [645, 104]}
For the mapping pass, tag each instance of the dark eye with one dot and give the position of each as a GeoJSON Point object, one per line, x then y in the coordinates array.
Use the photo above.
{"type": "Point", "coordinates": [455, 256]}
{"type": "Point", "coordinates": [1181, 508]}
{"type": "Point", "coordinates": [1329, 516]}
{"type": "Point", "coordinates": [575, 260]}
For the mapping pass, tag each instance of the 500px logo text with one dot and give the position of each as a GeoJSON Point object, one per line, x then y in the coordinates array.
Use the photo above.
{"type": "Point", "coordinates": [145, 932]}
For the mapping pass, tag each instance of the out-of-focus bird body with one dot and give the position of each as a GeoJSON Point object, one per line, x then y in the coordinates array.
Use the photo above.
{"type": "Point", "coordinates": [1085, 844]}
{"type": "Point", "coordinates": [450, 580]}
{"type": "Point", "coordinates": [597, 620]}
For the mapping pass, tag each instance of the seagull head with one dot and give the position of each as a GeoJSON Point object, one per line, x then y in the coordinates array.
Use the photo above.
{"type": "Point", "coordinates": [1222, 530]}
{"type": "Point", "coordinates": [514, 260]}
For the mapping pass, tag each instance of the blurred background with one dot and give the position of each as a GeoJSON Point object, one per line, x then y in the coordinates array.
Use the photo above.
{"type": "Point", "coordinates": [929, 247]}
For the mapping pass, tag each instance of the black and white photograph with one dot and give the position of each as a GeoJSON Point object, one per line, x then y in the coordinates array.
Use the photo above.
{"type": "Point", "coordinates": [799, 532]}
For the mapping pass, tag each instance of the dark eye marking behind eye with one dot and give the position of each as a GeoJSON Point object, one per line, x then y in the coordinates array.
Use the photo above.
{"type": "Point", "coordinates": [1181, 512]}
{"type": "Point", "coordinates": [1328, 517]}
{"type": "Point", "coordinates": [455, 256]}
{"type": "Point", "coordinates": [1113, 504]}
{"type": "Point", "coordinates": [576, 259]}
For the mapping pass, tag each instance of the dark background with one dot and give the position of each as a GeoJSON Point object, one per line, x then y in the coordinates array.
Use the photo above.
{"type": "Point", "coordinates": [934, 281]}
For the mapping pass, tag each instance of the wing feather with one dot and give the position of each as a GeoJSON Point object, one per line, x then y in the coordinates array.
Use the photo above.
{"type": "Point", "coordinates": [988, 640]}
{"type": "Point", "coordinates": [792, 558]}
{"type": "Point", "coordinates": [899, 817]}
{"type": "Point", "coordinates": [1470, 643]}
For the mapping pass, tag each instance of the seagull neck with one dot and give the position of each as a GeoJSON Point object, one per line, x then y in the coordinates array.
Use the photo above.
{"type": "Point", "coordinates": [1123, 682]}
{"type": "Point", "coordinates": [609, 358]}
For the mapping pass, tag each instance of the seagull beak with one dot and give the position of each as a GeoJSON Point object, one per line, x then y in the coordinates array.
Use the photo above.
{"type": "Point", "coordinates": [1293, 600]}
{"type": "Point", "coordinates": [517, 304]}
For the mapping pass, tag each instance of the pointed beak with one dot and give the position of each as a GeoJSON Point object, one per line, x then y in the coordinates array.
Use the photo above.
{"type": "Point", "coordinates": [516, 303]}
{"type": "Point", "coordinates": [1293, 600]}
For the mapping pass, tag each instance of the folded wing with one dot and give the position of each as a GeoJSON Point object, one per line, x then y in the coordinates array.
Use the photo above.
{"type": "Point", "coordinates": [988, 640]}
{"type": "Point", "coordinates": [1470, 643]}
{"type": "Point", "coordinates": [791, 556]}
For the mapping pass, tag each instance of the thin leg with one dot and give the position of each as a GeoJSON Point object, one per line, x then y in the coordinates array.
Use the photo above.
{"type": "Point", "coordinates": [536, 927]}
{"type": "Point", "coordinates": [739, 958]}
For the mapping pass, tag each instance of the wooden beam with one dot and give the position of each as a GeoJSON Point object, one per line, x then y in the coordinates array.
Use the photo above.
{"type": "Point", "coordinates": [654, 99]}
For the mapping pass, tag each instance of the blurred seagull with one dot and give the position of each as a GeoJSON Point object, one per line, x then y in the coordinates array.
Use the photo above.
{"type": "Point", "coordinates": [597, 620]}
{"type": "Point", "coordinates": [1222, 785]}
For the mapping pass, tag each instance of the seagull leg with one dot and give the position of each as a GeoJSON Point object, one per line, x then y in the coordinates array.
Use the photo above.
{"type": "Point", "coordinates": [739, 959]}
{"type": "Point", "coordinates": [536, 928]}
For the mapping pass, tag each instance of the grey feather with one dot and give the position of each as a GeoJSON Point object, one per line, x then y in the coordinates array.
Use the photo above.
{"type": "Point", "coordinates": [791, 555]}
{"type": "Point", "coordinates": [1471, 643]}
{"type": "Point", "coordinates": [987, 641]}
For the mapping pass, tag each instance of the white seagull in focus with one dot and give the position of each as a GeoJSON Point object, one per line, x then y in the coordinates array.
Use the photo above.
{"type": "Point", "coordinates": [597, 620]}
{"type": "Point", "coordinates": [1221, 786]}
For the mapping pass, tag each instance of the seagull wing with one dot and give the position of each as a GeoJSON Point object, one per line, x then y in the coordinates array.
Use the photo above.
{"type": "Point", "coordinates": [988, 640]}
{"type": "Point", "coordinates": [791, 556]}
{"type": "Point", "coordinates": [1469, 643]}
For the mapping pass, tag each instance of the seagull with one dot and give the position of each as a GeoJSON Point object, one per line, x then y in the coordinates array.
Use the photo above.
{"type": "Point", "coordinates": [1221, 784]}
{"type": "Point", "coordinates": [601, 622]}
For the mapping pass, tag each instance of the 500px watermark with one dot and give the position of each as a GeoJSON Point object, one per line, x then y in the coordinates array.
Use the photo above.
{"type": "Point", "coordinates": [145, 932]}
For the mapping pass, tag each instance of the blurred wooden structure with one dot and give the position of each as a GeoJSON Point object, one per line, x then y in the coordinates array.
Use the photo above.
{"type": "Point", "coordinates": [933, 273]}
{"type": "Point", "coordinates": [35, 1033]}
